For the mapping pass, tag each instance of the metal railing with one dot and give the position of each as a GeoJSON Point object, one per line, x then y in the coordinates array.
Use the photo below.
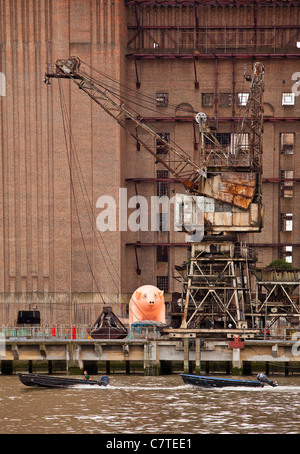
{"type": "Point", "coordinates": [45, 332]}
{"type": "Point", "coordinates": [68, 332]}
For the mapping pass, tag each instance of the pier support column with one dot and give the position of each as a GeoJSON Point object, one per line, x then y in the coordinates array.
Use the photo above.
{"type": "Point", "coordinates": [151, 359]}
{"type": "Point", "coordinates": [30, 366]}
{"type": "Point", "coordinates": [198, 356]}
{"type": "Point", "coordinates": [156, 360]}
{"type": "Point", "coordinates": [186, 368]}
{"type": "Point", "coordinates": [236, 361]}
{"type": "Point", "coordinates": [74, 361]}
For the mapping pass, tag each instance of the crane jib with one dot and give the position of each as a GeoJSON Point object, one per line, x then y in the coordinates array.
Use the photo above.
{"type": "Point", "coordinates": [229, 176]}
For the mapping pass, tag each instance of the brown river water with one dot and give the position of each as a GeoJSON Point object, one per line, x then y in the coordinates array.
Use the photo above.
{"type": "Point", "coordinates": [134, 404]}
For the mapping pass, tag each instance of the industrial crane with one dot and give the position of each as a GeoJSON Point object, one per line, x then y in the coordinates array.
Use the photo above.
{"type": "Point", "coordinates": [227, 177]}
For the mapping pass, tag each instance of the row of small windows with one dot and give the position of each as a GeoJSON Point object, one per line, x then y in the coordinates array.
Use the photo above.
{"type": "Point", "coordinates": [225, 99]}
{"type": "Point", "coordinates": [287, 141]}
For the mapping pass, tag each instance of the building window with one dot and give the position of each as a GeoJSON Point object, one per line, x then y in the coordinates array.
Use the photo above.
{"type": "Point", "coordinates": [287, 140]}
{"type": "Point", "coordinates": [288, 99]}
{"type": "Point", "coordinates": [242, 99]}
{"type": "Point", "coordinates": [162, 254]}
{"type": "Point", "coordinates": [160, 145]}
{"type": "Point", "coordinates": [162, 99]}
{"type": "Point", "coordinates": [242, 140]}
{"type": "Point", "coordinates": [224, 138]}
{"type": "Point", "coordinates": [286, 222]}
{"type": "Point", "coordinates": [207, 99]}
{"type": "Point", "coordinates": [286, 253]}
{"type": "Point", "coordinates": [162, 282]}
{"type": "Point", "coordinates": [225, 99]}
{"type": "Point", "coordinates": [162, 188]}
{"type": "Point", "coordinates": [286, 187]}
{"type": "Point", "coordinates": [163, 222]}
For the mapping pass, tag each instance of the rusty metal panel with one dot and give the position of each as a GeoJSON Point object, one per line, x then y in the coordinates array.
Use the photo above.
{"type": "Point", "coordinates": [241, 218]}
{"type": "Point", "coordinates": [224, 219]}
{"type": "Point", "coordinates": [235, 188]}
{"type": "Point", "coordinates": [236, 220]}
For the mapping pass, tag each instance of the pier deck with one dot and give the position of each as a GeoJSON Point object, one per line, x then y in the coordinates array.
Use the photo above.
{"type": "Point", "coordinates": [151, 353]}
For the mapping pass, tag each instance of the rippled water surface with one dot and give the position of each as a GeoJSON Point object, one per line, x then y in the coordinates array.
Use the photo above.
{"type": "Point", "coordinates": [144, 405]}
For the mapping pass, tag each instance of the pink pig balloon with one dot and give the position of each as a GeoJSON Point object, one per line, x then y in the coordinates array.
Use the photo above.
{"type": "Point", "coordinates": [147, 303]}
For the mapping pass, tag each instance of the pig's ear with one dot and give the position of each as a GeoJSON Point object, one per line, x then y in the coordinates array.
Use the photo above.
{"type": "Point", "coordinates": [138, 295]}
{"type": "Point", "coordinates": [161, 292]}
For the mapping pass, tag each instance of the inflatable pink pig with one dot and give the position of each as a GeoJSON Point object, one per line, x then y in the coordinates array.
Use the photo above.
{"type": "Point", "coordinates": [147, 303]}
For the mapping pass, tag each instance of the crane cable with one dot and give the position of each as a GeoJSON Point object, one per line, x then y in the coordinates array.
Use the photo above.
{"type": "Point", "coordinates": [66, 122]}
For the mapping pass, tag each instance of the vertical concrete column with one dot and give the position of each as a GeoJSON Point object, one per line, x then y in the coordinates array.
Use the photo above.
{"type": "Point", "coordinates": [146, 360]}
{"type": "Point", "coordinates": [198, 356]}
{"type": "Point", "coordinates": [236, 359]}
{"type": "Point", "coordinates": [151, 359]}
{"type": "Point", "coordinates": [186, 356]}
{"type": "Point", "coordinates": [156, 359]}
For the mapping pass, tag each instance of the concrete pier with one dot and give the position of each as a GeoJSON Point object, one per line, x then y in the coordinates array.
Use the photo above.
{"type": "Point", "coordinates": [156, 356]}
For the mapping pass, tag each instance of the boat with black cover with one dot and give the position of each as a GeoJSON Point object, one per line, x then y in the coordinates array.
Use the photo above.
{"type": "Point", "coordinates": [219, 382]}
{"type": "Point", "coordinates": [48, 381]}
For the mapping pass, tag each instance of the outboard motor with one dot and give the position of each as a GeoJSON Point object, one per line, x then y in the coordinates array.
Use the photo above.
{"type": "Point", "coordinates": [264, 379]}
{"type": "Point", "coordinates": [104, 380]}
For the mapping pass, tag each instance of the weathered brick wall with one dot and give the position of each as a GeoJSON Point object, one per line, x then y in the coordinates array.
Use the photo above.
{"type": "Point", "coordinates": [41, 240]}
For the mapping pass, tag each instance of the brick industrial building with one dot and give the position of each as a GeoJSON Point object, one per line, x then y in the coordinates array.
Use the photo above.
{"type": "Point", "coordinates": [183, 56]}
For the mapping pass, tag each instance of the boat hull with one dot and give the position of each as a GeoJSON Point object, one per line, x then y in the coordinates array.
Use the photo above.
{"type": "Point", "coordinates": [216, 382]}
{"type": "Point", "coordinates": [47, 381]}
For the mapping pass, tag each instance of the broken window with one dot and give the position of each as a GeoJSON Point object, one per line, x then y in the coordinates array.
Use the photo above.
{"type": "Point", "coordinates": [162, 99]}
{"type": "Point", "coordinates": [286, 253]}
{"type": "Point", "coordinates": [207, 99]}
{"type": "Point", "coordinates": [225, 99]}
{"type": "Point", "coordinates": [286, 222]}
{"type": "Point", "coordinates": [287, 140]}
{"type": "Point", "coordinates": [160, 145]}
{"type": "Point", "coordinates": [286, 187]}
{"type": "Point", "coordinates": [162, 188]}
